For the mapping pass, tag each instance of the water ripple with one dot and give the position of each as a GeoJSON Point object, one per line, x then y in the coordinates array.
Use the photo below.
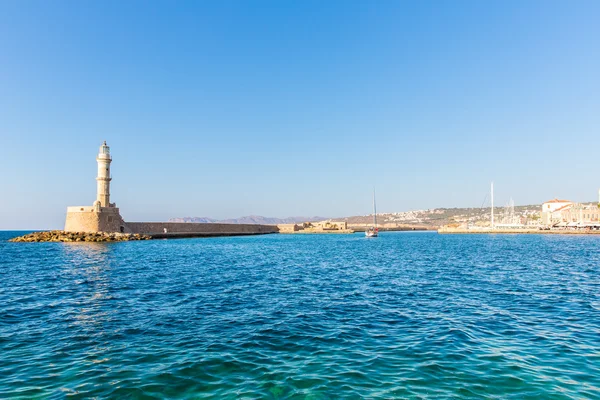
{"type": "Point", "coordinates": [409, 315]}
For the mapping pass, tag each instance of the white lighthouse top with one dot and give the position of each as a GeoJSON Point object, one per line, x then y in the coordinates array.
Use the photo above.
{"type": "Point", "coordinates": [104, 151]}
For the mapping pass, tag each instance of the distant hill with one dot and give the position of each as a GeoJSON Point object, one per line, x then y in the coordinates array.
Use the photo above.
{"type": "Point", "coordinates": [250, 219]}
{"type": "Point", "coordinates": [434, 218]}
{"type": "Point", "coordinates": [430, 219]}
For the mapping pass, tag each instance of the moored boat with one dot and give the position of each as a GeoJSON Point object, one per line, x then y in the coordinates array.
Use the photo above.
{"type": "Point", "coordinates": [373, 231]}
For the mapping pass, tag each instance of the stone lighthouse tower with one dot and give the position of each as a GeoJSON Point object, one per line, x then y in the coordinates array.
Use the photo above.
{"type": "Point", "coordinates": [103, 193]}
{"type": "Point", "coordinates": [102, 216]}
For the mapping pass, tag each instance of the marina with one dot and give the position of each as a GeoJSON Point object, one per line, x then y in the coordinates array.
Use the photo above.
{"type": "Point", "coordinates": [554, 217]}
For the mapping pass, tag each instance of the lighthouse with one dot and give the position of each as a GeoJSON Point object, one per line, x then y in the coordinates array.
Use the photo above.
{"type": "Point", "coordinates": [103, 179]}
{"type": "Point", "coordinates": [102, 216]}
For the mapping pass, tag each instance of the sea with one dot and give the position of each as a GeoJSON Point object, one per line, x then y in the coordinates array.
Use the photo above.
{"type": "Point", "coordinates": [407, 315]}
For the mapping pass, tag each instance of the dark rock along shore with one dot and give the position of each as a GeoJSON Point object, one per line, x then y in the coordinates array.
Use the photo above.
{"type": "Point", "coordinates": [61, 236]}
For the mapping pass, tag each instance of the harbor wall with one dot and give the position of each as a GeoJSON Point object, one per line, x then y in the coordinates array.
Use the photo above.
{"type": "Point", "coordinates": [186, 229]}
{"type": "Point", "coordinates": [388, 227]}
{"type": "Point", "coordinates": [518, 231]}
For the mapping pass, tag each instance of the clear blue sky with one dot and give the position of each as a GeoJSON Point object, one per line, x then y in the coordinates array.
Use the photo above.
{"type": "Point", "coordinates": [283, 108]}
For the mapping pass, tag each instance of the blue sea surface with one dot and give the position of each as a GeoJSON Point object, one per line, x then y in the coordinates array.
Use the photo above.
{"type": "Point", "coordinates": [406, 315]}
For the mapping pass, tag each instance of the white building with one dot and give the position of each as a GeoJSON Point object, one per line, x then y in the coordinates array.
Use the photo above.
{"type": "Point", "coordinates": [566, 214]}
{"type": "Point", "coordinates": [551, 211]}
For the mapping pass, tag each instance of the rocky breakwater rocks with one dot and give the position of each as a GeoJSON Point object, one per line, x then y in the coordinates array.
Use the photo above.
{"type": "Point", "coordinates": [61, 236]}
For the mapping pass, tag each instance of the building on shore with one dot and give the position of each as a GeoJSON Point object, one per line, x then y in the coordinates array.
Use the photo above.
{"type": "Point", "coordinates": [104, 216]}
{"type": "Point", "coordinates": [567, 214]}
{"type": "Point", "coordinates": [551, 211]}
{"type": "Point", "coordinates": [316, 227]}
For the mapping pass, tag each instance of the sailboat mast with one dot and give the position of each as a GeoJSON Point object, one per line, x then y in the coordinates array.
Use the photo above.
{"type": "Point", "coordinates": [492, 213]}
{"type": "Point", "coordinates": [374, 210]}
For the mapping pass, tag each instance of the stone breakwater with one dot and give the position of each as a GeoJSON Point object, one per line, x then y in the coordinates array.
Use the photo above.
{"type": "Point", "coordinates": [62, 236]}
{"type": "Point", "coordinates": [188, 229]}
{"type": "Point", "coordinates": [317, 232]}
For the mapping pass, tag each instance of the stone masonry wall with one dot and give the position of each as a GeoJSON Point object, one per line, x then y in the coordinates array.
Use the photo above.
{"type": "Point", "coordinates": [90, 219]}
{"type": "Point", "coordinates": [150, 228]}
{"type": "Point", "coordinates": [112, 223]}
{"type": "Point", "coordinates": [82, 222]}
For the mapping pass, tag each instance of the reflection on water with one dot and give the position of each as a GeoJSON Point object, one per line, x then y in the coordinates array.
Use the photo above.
{"type": "Point", "coordinates": [89, 311]}
{"type": "Point", "coordinates": [88, 251]}
{"type": "Point", "coordinates": [88, 265]}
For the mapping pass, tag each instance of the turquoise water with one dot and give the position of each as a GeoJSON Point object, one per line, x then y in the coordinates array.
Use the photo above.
{"type": "Point", "coordinates": [407, 315]}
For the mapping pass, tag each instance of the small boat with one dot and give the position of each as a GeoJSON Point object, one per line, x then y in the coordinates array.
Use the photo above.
{"type": "Point", "coordinates": [373, 231]}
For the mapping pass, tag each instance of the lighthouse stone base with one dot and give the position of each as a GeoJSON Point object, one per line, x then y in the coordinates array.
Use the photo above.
{"type": "Point", "coordinates": [94, 219]}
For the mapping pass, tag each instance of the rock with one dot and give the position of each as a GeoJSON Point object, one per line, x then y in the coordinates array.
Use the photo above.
{"type": "Point", "coordinates": [61, 236]}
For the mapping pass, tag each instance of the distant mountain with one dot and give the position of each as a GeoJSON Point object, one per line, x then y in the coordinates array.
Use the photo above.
{"type": "Point", "coordinates": [250, 219]}
{"type": "Point", "coordinates": [193, 219]}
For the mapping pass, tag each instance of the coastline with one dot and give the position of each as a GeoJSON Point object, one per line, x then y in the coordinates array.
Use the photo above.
{"type": "Point", "coordinates": [516, 231]}
{"type": "Point", "coordinates": [393, 229]}
{"type": "Point", "coordinates": [318, 232]}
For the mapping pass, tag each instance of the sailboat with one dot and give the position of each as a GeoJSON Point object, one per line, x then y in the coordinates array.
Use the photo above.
{"type": "Point", "coordinates": [373, 231]}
